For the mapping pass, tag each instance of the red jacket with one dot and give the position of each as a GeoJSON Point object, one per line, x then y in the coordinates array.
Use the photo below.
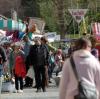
{"type": "Point", "coordinates": [20, 69]}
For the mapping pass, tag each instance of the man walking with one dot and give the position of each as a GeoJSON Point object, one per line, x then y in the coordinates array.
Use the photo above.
{"type": "Point", "coordinates": [87, 66]}
{"type": "Point", "coordinates": [38, 59]}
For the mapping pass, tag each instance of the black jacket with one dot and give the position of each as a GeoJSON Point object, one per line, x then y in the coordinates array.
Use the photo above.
{"type": "Point", "coordinates": [38, 55]}
{"type": "Point", "coordinates": [3, 54]}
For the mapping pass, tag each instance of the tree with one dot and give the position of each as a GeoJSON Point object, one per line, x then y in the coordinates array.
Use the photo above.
{"type": "Point", "coordinates": [6, 6]}
{"type": "Point", "coordinates": [56, 15]}
{"type": "Point", "coordinates": [31, 8]}
{"type": "Point", "coordinates": [47, 13]}
{"type": "Point", "coordinates": [59, 8]}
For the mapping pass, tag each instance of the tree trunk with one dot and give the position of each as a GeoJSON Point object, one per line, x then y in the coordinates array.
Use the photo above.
{"type": "Point", "coordinates": [60, 16]}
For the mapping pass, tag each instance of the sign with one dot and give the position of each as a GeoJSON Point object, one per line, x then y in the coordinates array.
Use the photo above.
{"type": "Point", "coordinates": [57, 38]}
{"type": "Point", "coordinates": [50, 36]}
{"type": "Point", "coordinates": [38, 22]}
{"type": "Point", "coordinates": [78, 14]}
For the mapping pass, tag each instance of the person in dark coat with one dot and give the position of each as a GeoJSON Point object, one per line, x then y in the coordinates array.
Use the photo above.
{"type": "Point", "coordinates": [3, 59]}
{"type": "Point", "coordinates": [38, 59]}
{"type": "Point", "coordinates": [26, 48]}
{"type": "Point", "coordinates": [44, 42]}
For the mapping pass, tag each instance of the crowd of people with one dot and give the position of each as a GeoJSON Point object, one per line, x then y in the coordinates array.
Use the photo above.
{"type": "Point", "coordinates": [33, 65]}
{"type": "Point", "coordinates": [19, 59]}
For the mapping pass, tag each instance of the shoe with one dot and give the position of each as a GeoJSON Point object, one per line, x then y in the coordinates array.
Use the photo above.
{"type": "Point", "coordinates": [50, 81]}
{"type": "Point", "coordinates": [38, 90]}
{"type": "Point", "coordinates": [15, 91]}
{"type": "Point", "coordinates": [20, 91]}
{"type": "Point", "coordinates": [26, 85]}
{"type": "Point", "coordinates": [44, 90]}
{"type": "Point", "coordinates": [34, 86]}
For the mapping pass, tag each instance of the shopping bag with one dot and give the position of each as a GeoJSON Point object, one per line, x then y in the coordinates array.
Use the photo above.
{"type": "Point", "coordinates": [30, 73]}
{"type": "Point", "coordinates": [8, 87]}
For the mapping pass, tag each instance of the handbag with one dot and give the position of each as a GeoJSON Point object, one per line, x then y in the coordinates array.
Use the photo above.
{"type": "Point", "coordinates": [30, 72]}
{"type": "Point", "coordinates": [85, 90]}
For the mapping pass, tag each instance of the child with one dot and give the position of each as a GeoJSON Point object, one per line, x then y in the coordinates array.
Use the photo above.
{"type": "Point", "coordinates": [19, 68]}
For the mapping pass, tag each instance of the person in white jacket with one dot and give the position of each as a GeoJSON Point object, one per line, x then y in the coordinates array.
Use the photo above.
{"type": "Point", "coordinates": [88, 68]}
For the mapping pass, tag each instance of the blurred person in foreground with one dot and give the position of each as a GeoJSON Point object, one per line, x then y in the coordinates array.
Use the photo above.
{"type": "Point", "coordinates": [88, 68]}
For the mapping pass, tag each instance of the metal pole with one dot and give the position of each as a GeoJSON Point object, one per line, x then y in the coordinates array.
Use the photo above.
{"type": "Point", "coordinates": [73, 20]}
{"type": "Point", "coordinates": [78, 30]}
{"type": "Point", "coordinates": [78, 23]}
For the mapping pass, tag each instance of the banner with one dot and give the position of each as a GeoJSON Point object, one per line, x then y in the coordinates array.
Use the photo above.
{"type": "Point", "coordinates": [51, 36]}
{"type": "Point", "coordinates": [38, 22]}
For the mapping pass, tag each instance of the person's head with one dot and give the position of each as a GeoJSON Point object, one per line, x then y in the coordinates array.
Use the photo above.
{"type": "Point", "coordinates": [37, 41]}
{"type": "Point", "coordinates": [17, 46]}
{"type": "Point", "coordinates": [51, 52]}
{"type": "Point", "coordinates": [44, 40]}
{"type": "Point", "coordinates": [13, 46]}
{"type": "Point", "coordinates": [59, 51]}
{"type": "Point", "coordinates": [93, 41]}
{"type": "Point", "coordinates": [83, 43]}
{"type": "Point", "coordinates": [25, 38]}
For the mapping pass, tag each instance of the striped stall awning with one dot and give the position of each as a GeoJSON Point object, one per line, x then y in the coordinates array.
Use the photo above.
{"type": "Point", "coordinates": [12, 25]}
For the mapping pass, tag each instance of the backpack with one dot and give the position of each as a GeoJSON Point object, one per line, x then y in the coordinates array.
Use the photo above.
{"type": "Point", "coordinates": [85, 90]}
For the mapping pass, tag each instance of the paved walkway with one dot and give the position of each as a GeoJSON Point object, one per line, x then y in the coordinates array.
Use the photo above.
{"type": "Point", "coordinates": [29, 93]}
{"type": "Point", "coordinates": [52, 93]}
